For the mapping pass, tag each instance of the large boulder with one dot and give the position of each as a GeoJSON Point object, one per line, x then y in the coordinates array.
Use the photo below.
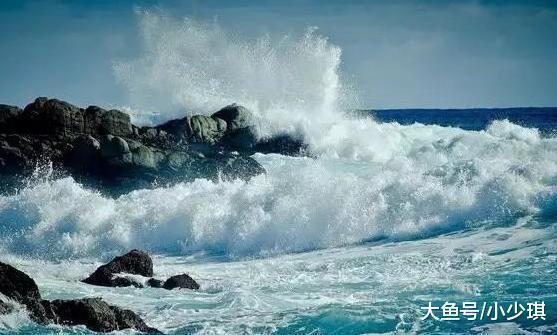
{"type": "Point", "coordinates": [235, 116]}
{"type": "Point", "coordinates": [240, 134]}
{"type": "Point", "coordinates": [135, 262]}
{"type": "Point", "coordinates": [112, 122]}
{"type": "Point", "coordinates": [51, 116]}
{"type": "Point", "coordinates": [21, 288]}
{"type": "Point", "coordinates": [196, 129]}
{"type": "Point", "coordinates": [96, 315]}
{"type": "Point", "coordinates": [180, 281]}
{"type": "Point", "coordinates": [115, 151]}
{"type": "Point", "coordinates": [56, 117]}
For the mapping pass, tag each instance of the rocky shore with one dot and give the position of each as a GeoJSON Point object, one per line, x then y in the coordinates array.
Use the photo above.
{"type": "Point", "coordinates": [17, 288]}
{"type": "Point", "coordinates": [104, 149]}
{"type": "Point", "coordinates": [132, 269]}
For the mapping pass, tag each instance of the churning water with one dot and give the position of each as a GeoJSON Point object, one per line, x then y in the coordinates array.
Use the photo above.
{"type": "Point", "coordinates": [381, 220]}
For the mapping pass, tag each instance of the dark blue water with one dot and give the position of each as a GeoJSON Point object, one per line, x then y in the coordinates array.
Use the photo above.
{"type": "Point", "coordinates": [542, 118]}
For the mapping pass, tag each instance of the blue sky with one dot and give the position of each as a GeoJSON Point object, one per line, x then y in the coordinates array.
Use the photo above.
{"type": "Point", "coordinates": [398, 53]}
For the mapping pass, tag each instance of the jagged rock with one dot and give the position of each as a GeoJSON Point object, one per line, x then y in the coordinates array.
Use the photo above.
{"type": "Point", "coordinates": [103, 122]}
{"type": "Point", "coordinates": [180, 281]}
{"type": "Point", "coordinates": [19, 287]}
{"type": "Point", "coordinates": [134, 262]}
{"type": "Point", "coordinates": [155, 283]}
{"type": "Point", "coordinates": [102, 149]}
{"type": "Point", "coordinates": [96, 315]}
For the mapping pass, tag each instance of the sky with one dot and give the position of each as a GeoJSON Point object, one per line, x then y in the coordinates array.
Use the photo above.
{"type": "Point", "coordinates": [399, 54]}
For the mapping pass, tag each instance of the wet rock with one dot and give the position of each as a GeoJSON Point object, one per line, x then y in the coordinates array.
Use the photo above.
{"type": "Point", "coordinates": [196, 129]}
{"type": "Point", "coordinates": [155, 283]}
{"type": "Point", "coordinates": [235, 116]}
{"type": "Point", "coordinates": [19, 287]}
{"type": "Point", "coordinates": [281, 144]}
{"type": "Point", "coordinates": [97, 315]}
{"type": "Point", "coordinates": [85, 152]}
{"type": "Point", "coordinates": [50, 116]}
{"type": "Point", "coordinates": [94, 313]}
{"type": "Point", "coordinates": [102, 149]}
{"type": "Point", "coordinates": [8, 113]}
{"type": "Point", "coordinates": [181, 281]}
{"type": "Point", "coordinates": [115, 151]}
{"type": "Point", "coordinates": [135, 262]}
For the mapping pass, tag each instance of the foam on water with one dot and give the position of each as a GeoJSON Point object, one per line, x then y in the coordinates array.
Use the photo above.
{"type": "Point", "coordinates": [413, 182]}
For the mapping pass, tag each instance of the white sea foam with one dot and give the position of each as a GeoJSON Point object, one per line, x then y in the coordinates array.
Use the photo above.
{"type": "Point", "coordinates": [368, 180]}
{"type": "Point", "coordinates": [407, 182]}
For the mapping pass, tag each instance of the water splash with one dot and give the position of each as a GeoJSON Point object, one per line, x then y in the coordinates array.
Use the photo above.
{"type": "Point", "coordinates": [198, 67]}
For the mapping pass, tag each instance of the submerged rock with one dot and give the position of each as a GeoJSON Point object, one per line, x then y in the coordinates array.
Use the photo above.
{"type": "Point", "coordinates": [135, 262]}
{"type": "Point", "coordinates": [156, 283]}
{"type": "Point", "coordinates": [94, 313]}
{"type": "Point", "coordinates": [181, 281]}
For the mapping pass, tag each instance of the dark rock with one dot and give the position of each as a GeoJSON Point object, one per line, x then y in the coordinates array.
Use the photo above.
{"type": "Point", "coordinates": [85, 153]}
{"type": "Point", "coordinates": [241, 139]}
{"type": "Point", "coordinates": [51, 116]}
{"type": "Point", "coordinates": [94, 313]}
{"type": "Point", "coordinates": [115, 151]}
{"type": "Point", "coordinates": [196, 129]}
{"type": "Point", "coordinates": [155, 283]}
{"type": "Point", "coordinates": [181, 281]}
{"type": "Point", "coordinates": [19, 287]}
{"type": "Point", "coordinates": [97, 315]}
{"type": "Point", "coordinates": [134, 262]}
{"type": "Point", "coordinates": [5, 308]}
{"type": "Point", "coordinates": [121, 281]}
{"type": "Point", "coordinates": [281, 144]}
{"type": "Point", "coordinates": [102, 149]}
{"type": "Point", "coordinates": [8, 113]}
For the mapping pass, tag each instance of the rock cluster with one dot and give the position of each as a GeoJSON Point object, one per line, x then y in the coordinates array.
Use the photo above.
{"type": "Point", "coordinates": [135, 263]}
{"type": "Point", "coordinates": [94, 313]}
{"type": "Point", "coordinates": [103, 148]}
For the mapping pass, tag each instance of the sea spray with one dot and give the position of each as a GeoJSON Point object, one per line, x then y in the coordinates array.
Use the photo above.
{"type": "Point", "coordinates": [190, 66]}
{"type": "Point", "coordinates": [418, 181]}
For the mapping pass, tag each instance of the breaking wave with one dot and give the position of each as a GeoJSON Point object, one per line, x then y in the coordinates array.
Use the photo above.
{"type": "Point", "coordinates": [418, 181]}
{"type": "Point", "coordinates": [366, 180]}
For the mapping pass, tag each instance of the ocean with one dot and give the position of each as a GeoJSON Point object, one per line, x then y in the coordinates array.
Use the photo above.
{"type": "Point", "coordinates": [319, 246]}
{"type": "Point", "coordinates": [389, 214]}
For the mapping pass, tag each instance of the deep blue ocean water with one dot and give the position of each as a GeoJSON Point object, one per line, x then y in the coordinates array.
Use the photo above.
{"type": "Point", "coordinates": [542, 118]}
